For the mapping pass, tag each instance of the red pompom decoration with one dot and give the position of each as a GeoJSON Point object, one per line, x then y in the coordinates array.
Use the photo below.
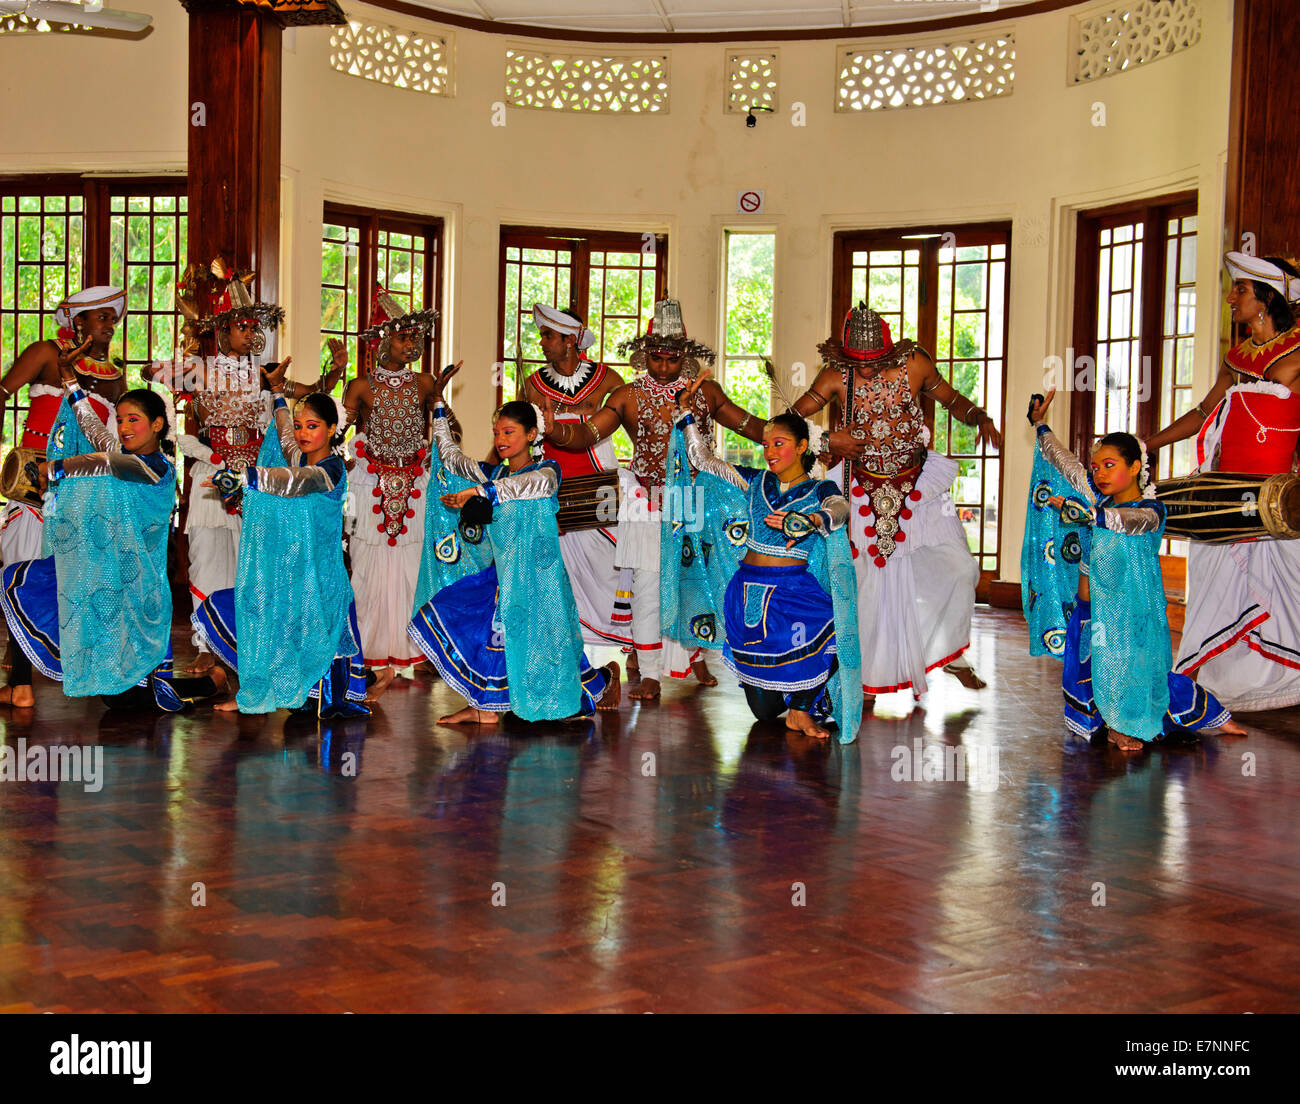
{"type": "Point", "coordinates": [863, 511]}
{"type": "Point", "coordinates": [217, 459]}
{"type": "Point", "coordinates": [420, 453]}
{"type": "Point", "coordinates": [900, 537]}
{"type": "Point", "coordinates": [392, 541]}
{"type": "Point", "coordinates": [371, 468]}
{"type": "Point", "coordinates": [873, 550]}
{"type": "Point", "coordinates": [858, 492]}
{"type": "Point", "coordinates": [856, 553]}
{"type": "Point", "coordinates": [379, 528]}
{"type": "Point", "coordinates": [403, 530]}
{"type": "Point", "coordinates": [360, 449]}
{"type": "Point", "coordinates": [905, 513]}
{"type": "Point", "coordinates": [376, 507]}
{"type": "Point", "coordinates": [880, 561]}
{"type": "Point", "coordinates": [376, 493]}
{"type": "Point", "coordinates": [415, 493]}
{"type": "Point", "coordinates": [410, 514]}
{"type": "Point", "coordinates": [870, 530]}
{"type": "Point", "coordinates": [915, 496]}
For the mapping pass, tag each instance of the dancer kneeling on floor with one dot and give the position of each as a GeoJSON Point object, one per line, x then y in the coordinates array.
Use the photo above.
{"type": "Point", "coordinates": [1097, 527]}
{"type": "Point", "coordinates": [794, 586]}
{"type": "Point", "coordinates": [96, 613]}
{"type": "Point", "coordinates": [508, 637]}
{"type": "Point", "coordinates": [289, 626]}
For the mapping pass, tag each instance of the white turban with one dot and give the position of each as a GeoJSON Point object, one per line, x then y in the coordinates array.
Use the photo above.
{"type": "Point", "coordinates": [1242, 266]}
{"type": "Point", "coordinates": [560, 322]}
{"type": "Point", "coordinates": [89, 299]}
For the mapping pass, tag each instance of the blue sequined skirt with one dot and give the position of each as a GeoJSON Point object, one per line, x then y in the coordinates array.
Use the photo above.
{"type": "Point", "coordinates": [1191, 706]}
{"type": "Point", "coordinates": [30, 599]}
{"type": "Point", "coordinates": [460, 631]}
{"type": "Point", "coordinates": [340, 692]}
{"type": "Point", "coordinates": [780, 627]}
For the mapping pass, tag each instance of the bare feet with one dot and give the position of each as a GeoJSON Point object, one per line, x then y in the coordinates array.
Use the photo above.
{"type": "Point", "coordinates": [613, 692]}
{"type": "Point", "coordinates": [799, 721]}
{"type": "Point", "coordinates": [227, 706]}
{"type": "Point", "coordinates": [647, 691]}
{"type": "Point", "coordinates": [204, 664]}
{"type": "Point", "coordinates": [219, 679]}
{"type": "Point", "coordinates": [383, 680]}
{"type": "Point", "coordinates": [702, 673]}
{"type": "Point", "coordinates": [966, 676]}
{"type": "Point", "coordinates": [425, 669]}
{"type": "Point", "coordinates": [20, 697]}
{"type": "Point", "coordinates": [1232, 728]}
{"type": "Point", "coordinates": [868, 703]}
{"type": "Point", "coordinates": [633, 667]}
{"type": "Point", "coordinates": [1124, 743]}
{"type": "Point", "coordinates": [469, 715]}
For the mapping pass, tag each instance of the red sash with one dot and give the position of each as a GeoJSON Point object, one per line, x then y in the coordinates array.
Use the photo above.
{"type": "Point", "coordinates": [1260, 432]}
{"type": "Point", "coordinates": [41, 412]}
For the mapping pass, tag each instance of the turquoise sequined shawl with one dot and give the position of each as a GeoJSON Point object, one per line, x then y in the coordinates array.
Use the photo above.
{"type": "Point", "coordinates": [702, 543]}
{"type": "Point", "coordinates": [1129, 641]}
{"type": "Point", "coordinates": [292, 593]}
{"type": "Point", "coordinates": [446, 555]}
{"type": "Point", "coordinates": [108, 538]}
{"type": "Point", "coordinates": [535, 605]}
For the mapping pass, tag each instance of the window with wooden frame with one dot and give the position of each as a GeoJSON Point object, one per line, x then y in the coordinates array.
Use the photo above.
{"type": "Point", "coordinates": [61, 233]}
{"type": "Point", "coordinates": [1134, 326]}
{"type": "Point", "coordinates": [362, 249]}
{"type": "Point", "coordinates": [611, 278]}
{"type": "Point", "coordinates": [946, 288]}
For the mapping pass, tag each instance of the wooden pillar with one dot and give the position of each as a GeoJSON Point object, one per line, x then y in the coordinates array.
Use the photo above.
{"type": "Point", "coordinates": [234, 138]}
{"type": "Point", "coordinates": [1263, 139]}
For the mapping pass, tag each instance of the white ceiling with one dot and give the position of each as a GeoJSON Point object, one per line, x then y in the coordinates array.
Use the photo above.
{"type": "Point", "coordinates": [701, 16]}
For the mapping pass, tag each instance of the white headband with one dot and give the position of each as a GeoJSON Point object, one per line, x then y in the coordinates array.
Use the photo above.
{"type": "Point", "coordinates": [560, 322]}
{"type": "Point", "coordinates": [1242, 266]}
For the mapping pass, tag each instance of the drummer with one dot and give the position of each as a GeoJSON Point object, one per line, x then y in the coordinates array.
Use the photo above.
{"type": "Point", "coordinates": [574, 387]}
{"type": "Point", "coordinates": [87, 322]}
{"type": "Point", "coordinates": [646, 409]}
{"type": "Point", "coordinates": [1241, 636]}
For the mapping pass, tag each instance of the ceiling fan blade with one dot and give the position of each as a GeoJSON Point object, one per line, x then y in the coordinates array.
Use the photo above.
{"type": "Point", "coordinates": [59, 11]}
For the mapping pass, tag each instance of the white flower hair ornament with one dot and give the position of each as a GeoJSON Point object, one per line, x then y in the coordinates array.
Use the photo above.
{"type": "Point", "coordinates": [1144, 476]}
{"type": "Point", "coordinates": [537, 446]}
{"type": "Point", "coordinates": [816, 439]}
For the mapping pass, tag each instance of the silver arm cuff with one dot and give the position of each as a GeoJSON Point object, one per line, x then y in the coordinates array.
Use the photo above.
{"type": "Point", "coordinates": [701, 458]}
{"type": "Point", "coordinates": [837, 509]}
{"type": "Point", "coordinates": [288, 443]}
{"type": "Point", "coordinates": [120, 465]}
{"type": "Point", "coordinates": [534, 484]}
{"type": "Point", "coordinates": [1133, 520]}
{"type": "Point", "coordinates": [94, 429]}
{"type": "Point", "coordinates": [452, 458]}
{"type": "Point", "coordinates": [1064, 461]}
{"type": "Point", "coordinates": [294, 482]}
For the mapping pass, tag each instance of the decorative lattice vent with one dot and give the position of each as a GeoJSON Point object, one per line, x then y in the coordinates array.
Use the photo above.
{"type": "Point", "coordinates": [1127, 35]}
{"type": "Point", "coordinates": [878, 78]}
{"type": "Point", "coordinates": [573, 82]}
{"type": "Point", "coordinates": [390, 55]}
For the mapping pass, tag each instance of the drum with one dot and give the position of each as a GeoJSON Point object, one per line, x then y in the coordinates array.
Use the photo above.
{"type": "Point", "coordinates": [1223, 507]}
{"type": "Point", "coordinates": [588, 502]}
{"type": "Point", "coordinates": [15, 485]}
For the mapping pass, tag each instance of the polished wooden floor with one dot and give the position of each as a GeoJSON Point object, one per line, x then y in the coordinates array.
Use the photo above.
{"type": "Point", "coordinates": [648, 862]}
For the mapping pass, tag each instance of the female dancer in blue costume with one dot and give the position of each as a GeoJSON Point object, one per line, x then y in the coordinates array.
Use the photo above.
{"type": "Point", "coordinates": [289, 626]}
{"type": "Point", "coordinates": [508, 637]}
{"type": "Point", "coordinates": [96, 612]}
{"type": "Point", "coordinates": [1096, 525]}
{"type": "Point", "coordinates": [784, 599]}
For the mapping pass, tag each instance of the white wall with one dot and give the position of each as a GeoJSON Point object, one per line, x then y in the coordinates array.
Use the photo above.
{"type": "Point", "coordinates": [1033, 157]}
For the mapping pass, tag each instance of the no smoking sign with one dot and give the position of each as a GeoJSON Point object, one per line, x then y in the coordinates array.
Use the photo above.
{"type": "Point", "coordinates": [749, 202]}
